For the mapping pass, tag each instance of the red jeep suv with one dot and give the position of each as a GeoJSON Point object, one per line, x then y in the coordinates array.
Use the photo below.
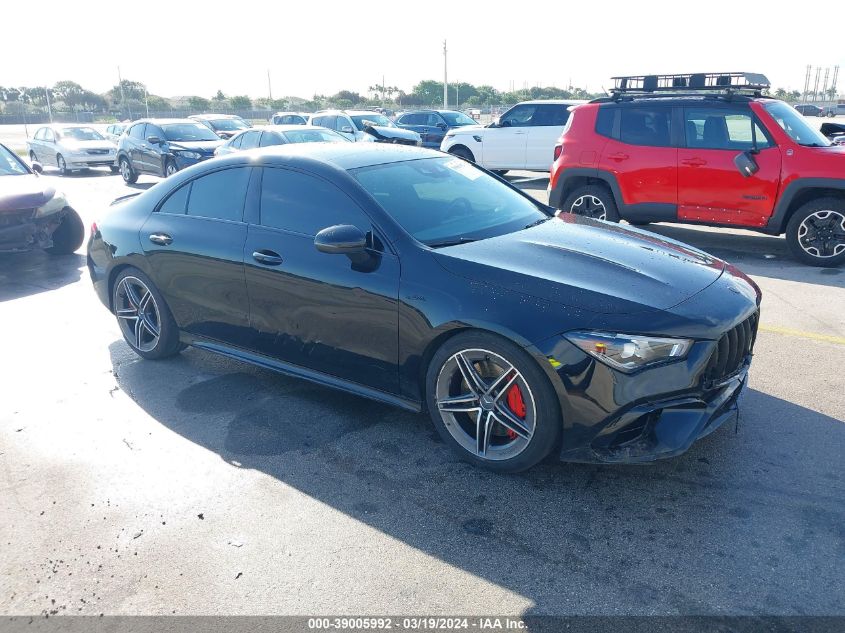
{"type": "Point", "coordinates": [704, 149]}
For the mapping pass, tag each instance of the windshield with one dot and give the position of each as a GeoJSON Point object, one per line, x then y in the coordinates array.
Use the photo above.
{"type": "Point", "coordinates": [10, 165]}
{"type": "Point", "coordinates": [447, 200]}
{"type": "Point", "coordinates": [229, 125]}
{"type": "Point", "coordinates": [457, 119]}
{"type": "Point", "coordinates": [314, 136]}
{"type": "Point", "coordinates": [375, 118]}
{"type": "Point", "coordinates": [188, 132]}
{"type": "Point", "coordinates": [796, 125]}
{"type": "Point", "coordinates": [80, 134]}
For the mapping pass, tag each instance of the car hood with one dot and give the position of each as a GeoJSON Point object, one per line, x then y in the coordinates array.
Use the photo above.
{"type": "Point", "coordinates": [591, 265]}
{"type": "Point", "coordinates": [382, 132]}
{"type": "Point", "coordinates": [205, 147]}
{"type": "Point", "coordinates": [83, 145]}
{"type": "Point", "coordinates": [467, 129]}
{"type": "Point", "coordinates": [24, 192]}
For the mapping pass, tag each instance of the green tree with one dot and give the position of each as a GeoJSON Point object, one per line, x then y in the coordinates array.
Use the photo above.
{"type": "Point", "coordinates": [158, 104]}
{"type": "Point", "coordinates": [131, 90]}
{"type": "Point", "coordinates": [241, 102]}
{"type": "Point", "coordinates": [346, 95]}
{"type": "Point", "coordinates": [219, 96]}
{"type": "Point", "coordinates": [70, 92]}
{"type": "Point", "coordinates": [429, 91]}
{"type": "Point", "coordinates": [198, 103]}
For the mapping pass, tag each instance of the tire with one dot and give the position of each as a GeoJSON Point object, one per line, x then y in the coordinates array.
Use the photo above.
{"type": "Point", "coordinates": [130, 176]}
{"type": "Point", "coordinates": [134, 293]}
{"type": "Point", "coordinates": [815, 233]}
{"type": "Point", "coordinates": [500, 172]}
{"type": "Point", "coordinates": [462, 152]}
{"type": "Point", "coordinates": [170, 168]}
{"type": "Point", "coordinates": [69, 235]}
{"type": "Point", "coordinates": [592, 201]}
{"type": "Point", "coordinates": [33, 158]}
{"type": "Point", "coordinates": [114, 169]}
{"type": "Point", "coordinates": [62, 165]}
{"type": "Point", "coordinates": [533, 414]}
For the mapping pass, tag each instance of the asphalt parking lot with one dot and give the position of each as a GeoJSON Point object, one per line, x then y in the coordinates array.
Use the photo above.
{"type": "Point", "coordinates": [200, 485]}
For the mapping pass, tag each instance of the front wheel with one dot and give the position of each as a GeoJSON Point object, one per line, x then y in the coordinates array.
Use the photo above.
{"type": "Point", "coordinates": [69, 235]}
{"type": "Point", "coordinates": [143, 316]}
{"type": "Point", "coordinates": [816, 232]}
{"type": "Point", "coordinates": [62, 165]}
{"type": "Point", "coordinates": [592, 201]}
{"type": "Point", "coordinates": [170, 169]}
{"type": "Point", "coordinates": [491, 402]}
{"type": "Point", "coordinates": [462, 152]}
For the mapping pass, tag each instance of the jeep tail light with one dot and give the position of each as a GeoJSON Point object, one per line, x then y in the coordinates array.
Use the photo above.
{"type": "Point", "coordinates": [558, 150]}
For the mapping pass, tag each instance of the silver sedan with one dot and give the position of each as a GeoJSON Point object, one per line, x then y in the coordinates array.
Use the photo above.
{"type": "Point", "coordinates": [70, 147]}
{"type": "Point", "coordinates": [279, 135]}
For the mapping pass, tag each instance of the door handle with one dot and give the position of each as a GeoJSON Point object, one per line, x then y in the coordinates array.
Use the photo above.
{"type": "Point", "coordinates": [694, 162]}
{"type": "Point", "coordinates": [162, 239]}
{"type": "Point", "coordinates": [266, 257]}
{"type": "Point", "coordinates": [520, 132]}
{"type": "Point", "coordinates": [619, 157]}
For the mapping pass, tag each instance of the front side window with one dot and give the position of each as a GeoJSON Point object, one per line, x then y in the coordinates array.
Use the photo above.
{"type": "Point", "coordinates": [721, 128]}
{"type": "Point", "coordinates": [519, 116]}
{"type": "Point", "coordinates": [795, 125]}
{"type": "Point", "coordinates": [305, 204]}
{"type": "Point", "coordinates": [48, 135]}
{"type": "Point", "coordinates": [447, 200]}
{"type": "Point", "coordinates": [457, 119]}
{"type": "Point", "coordinates": [153, 130]}
{"type": "Point", "coordinates": [137, 131]}
{"type": "Point", "coordinates": [645, 126]}
{"type": "Point", "coordinates": [39, 135]}
{"type": "Point", "coordinates": [219, 195]}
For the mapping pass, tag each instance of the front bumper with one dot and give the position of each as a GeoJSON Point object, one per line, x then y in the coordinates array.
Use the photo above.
{"type": "Point", "coordinates": [84, 161]}
{"type": "Point", "coordinates": [23, 231]}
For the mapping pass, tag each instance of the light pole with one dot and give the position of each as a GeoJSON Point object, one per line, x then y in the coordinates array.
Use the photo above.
{"type": "Point", "coordinates": [445, 80]}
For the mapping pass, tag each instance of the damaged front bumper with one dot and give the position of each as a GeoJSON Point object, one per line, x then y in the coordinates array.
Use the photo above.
{"type": "Point", "coordinates": [24, 230]}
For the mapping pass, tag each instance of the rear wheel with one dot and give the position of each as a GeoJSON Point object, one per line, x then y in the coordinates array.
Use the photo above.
{"type": "Point", "coordinates": [33, 158]}
{"type": "Point", "coordinates": [69, 235]}
{"type": "Point", "coordinates": [463, 152]}
{"type": "Point", "coordinates": [816, 232]}
{"type": "Point", "coordinates": [129, 175]}
{"type": "Point", "coordinates": [592, 201]}
{"type": "Point", "coordinates": [144, 318]}
{"type": "Point", "coordinates": [491, 402]}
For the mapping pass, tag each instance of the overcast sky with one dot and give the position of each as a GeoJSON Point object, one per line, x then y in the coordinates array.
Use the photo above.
{"type": "Point", "coordinates": [185, 48]}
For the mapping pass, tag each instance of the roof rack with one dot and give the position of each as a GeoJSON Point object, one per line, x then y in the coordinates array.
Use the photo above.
{"type": "Point", "coordinates": [696, 83]}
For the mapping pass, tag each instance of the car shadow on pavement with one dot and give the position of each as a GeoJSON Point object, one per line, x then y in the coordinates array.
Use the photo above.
{"type": "Point", "coordinates": [24, 274]}
{"type": "Point", "coordinates": [746, 522]}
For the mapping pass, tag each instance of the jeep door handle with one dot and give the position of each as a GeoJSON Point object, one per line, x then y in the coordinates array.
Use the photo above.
{"type": "Point", "coordinates": [267, 257]}
{"type": "Point", "coordinates": [694, 162]}
{"type": "Point", "coordinates": [619, 157]}
{"type": "Point", "coordinates": [162, 239]}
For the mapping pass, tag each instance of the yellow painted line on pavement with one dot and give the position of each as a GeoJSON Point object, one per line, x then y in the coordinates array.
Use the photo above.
{"type": "Point", "coordinates": [825, 338]}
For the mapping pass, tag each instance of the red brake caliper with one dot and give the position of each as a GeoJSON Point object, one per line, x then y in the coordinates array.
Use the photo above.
{"type": "Point", "coordinates": [517, 405]}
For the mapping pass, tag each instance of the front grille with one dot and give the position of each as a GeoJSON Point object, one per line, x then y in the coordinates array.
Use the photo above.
{"type": "Point", "coordinates": [97, 152]}
{"type": "Point", "coordinates": [732, 351]}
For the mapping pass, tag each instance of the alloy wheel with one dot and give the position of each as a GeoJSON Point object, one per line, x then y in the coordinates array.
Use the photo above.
{"type": "Point", "coordinates": [486, 404]}
{"type": "Point", "coordinates": [589, 206]}
{"type": "Point", "coordinates": [137, 313]}
{"type": "Point", "coordinates": [60, 163]}
{"type": "Point", "coordinates": [822, 234]}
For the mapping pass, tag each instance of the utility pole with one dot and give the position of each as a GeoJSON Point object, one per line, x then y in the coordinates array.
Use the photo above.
{"type": "Point", "coordinates": [382, 91]}
{"type": "Point", "coordinates": [146, 102]}
{"type": "Point", "coordinates": [806, 83]}
{"type": "Point", "coordinates": [269, 85]}
{"type": "Point", "coordinates": [49, 109]}
{"type": "Point", "coordinates": [122, 96]}
{"type": "Point", "coordinates": [816, 85]}
{"type": "Point", "coordinates": [445, 80]}
{"type": "Point", "coordinates": [833, 83]}
{"type": "Point", "coordinates": [824, 84]}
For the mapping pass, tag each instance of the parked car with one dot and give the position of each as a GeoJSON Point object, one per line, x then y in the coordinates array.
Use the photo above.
{"type": "Point", "coordinates": [279, 135]}
{"type": "Point", "coordinates": [733, 159]}
{"type": "Point", "coordinates": [432, 125]}
{"type": "Point", "coordinates": [523, 138]}
{"type": "Point", "coordinates": [290, 118]}
{"type": "Point", "coordinates": [164, 146]}
{"type": "Point", "coordinates": [223, 125]}
{"type": "Point", "coordinates": [365, 126]}
{"type": "Point", "coordinates": [832, 130]}
{"type": "Point", "coordinates": [71, 147]}
{"type": "Point", "coordinates": [420, 280]}
{"type": "Point", "coordinates": [808, 109]}
{"type": "Point", "coordinates": [114, 131]}
{"type": "Point", "coordinates": [33, 215]}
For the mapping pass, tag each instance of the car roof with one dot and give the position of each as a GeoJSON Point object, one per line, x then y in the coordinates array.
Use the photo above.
{"type": "Point", "coordinates": [553, 101]}
{"type": "Point", "coordinates": [343, 155]}
{"type": "Point", "coordinates": [214, 116]}
{"type": "Point", "coordinates": [162, 121]}
{"type": "Point", "coordinates": [283, 128]}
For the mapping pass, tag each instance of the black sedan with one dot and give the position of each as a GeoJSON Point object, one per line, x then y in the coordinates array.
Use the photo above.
{"type": "Point", "coordinates": [423, 281]}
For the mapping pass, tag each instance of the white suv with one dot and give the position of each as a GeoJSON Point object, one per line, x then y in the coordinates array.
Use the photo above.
{"type": "Point", "coordinates": [523, 138]}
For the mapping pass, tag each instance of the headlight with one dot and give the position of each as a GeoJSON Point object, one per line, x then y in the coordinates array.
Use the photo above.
{"type": "Point", "coordinates": [629, 352]}
{"type": "Point", "coordinates": [191, 155]}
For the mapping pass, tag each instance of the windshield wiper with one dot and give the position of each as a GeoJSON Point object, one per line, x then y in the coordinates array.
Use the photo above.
{"type": "Point", "coordinates": [452, 242]}
{"type": "Point", "coordinates": [536, 223]}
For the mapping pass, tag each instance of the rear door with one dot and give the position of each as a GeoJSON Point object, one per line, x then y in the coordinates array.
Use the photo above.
{"type": "Point", "coordinates": [710, 186]}
{"type": "Point", "coordinates": [152, 154]}
{"type": "Point", "coordinates": [135, 140]}
{"type": "Point", "coordinates": [640, 153]}
{"type": "Point", "coordinates": [504, 146]}
{"type": "Point", "coordinates": [435, 130]}
{"type": "Point", "coordinates": [416, 122]}
{"type": "Point", "coordinates": [546, 127]}
{"type": "Point", "coordinates": [194, 246]}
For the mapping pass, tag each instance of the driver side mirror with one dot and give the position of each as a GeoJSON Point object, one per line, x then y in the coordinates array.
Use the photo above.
{"type": "Point", "coordinates": [347, 129]}
{"type": "Point", "coordinates": [37, 168]}
{"type": "Point", "coordinates": [341, 239]}
{"type": "Point", "coordinates": [746, 164]}
{"type": "Point", "coordinates": [154, 140]}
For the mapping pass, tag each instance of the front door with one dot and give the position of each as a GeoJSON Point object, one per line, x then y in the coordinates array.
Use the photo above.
{"type": "Point", "coordinates": [312, 309]}
{"type": "Point", "coordinates": [504, 146]}
{"type": "Point", "coordinates": [710, 186]}
{"type": "Point", "coordinates": [194, 245]}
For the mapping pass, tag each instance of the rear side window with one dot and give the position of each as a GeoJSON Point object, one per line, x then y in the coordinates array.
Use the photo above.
{"type": "Point", "coordinates": [219, 195]}
{"type": "Point", "coordinates": [236, 142]}
{"type": "Point", "coordinates": [604, 120]}
{"type": "Point", "coordinates": [304, 204]}
{"type": "Point", "coordinates": [645, 126]}
{"type": "Point", "coordinates": [270, 138]}
{"type": "Point", "coordinates": [250, 140]}
{"type": "Point", "coordinates": [177, 201]}
{"type": "Point", "coordinates": [550, 114]}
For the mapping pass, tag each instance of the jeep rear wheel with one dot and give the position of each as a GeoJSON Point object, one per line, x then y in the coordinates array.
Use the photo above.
{"type": "Point", "coordinates": [816, 232]}
{"type": "Point", "coordinates": [592, 201]}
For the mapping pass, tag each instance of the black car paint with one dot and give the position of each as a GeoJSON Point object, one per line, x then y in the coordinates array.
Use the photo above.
{"type": "Point", "coordinates": [372, 330]}
{"type": "Point", "coordinates": [432, 135]}
{"type": "Point", "coordinates": [152, 158]}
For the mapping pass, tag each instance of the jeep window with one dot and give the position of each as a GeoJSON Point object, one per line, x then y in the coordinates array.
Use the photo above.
{"type": "Point", "coordinates": [795, 125]}
{"type": "Point", "coordinates": [10, 165]}
{"type": "Point", "coordinates": [645, 126]}
{"type": "Point", "coordinates": [720, 128]}
{"type": "Point", "coordinates": [604, 120]}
